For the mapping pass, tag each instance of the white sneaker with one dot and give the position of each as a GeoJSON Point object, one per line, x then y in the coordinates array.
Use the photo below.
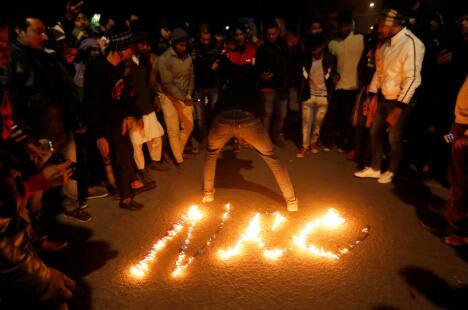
{"type": "Point", "coordinates": [368, 173]}
{"type": "Point", "coordinates": [386, 177]}
{"type": "Point", "coordinates": [292, 205]}
{"type": "Point", "coordinates": [208, 197]}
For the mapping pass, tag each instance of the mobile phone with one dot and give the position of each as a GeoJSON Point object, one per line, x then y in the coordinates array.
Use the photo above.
{"type": "Point", "coordinates": [449, 138]}
{"type": "Point", "coordinates": [57, 159]}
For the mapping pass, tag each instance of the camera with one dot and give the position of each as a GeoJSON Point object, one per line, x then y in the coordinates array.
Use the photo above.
{"type": "Point", "coordinates": [57, 159]}
{"type": "Point", "coordinates": [449, 138]}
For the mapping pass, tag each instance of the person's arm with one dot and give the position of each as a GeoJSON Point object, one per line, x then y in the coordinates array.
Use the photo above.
{"type": "Point", "coordinates": [412, 57]}
{"type": "Point", "coordinates": [192, 79]}
{"type": "Point", "coordinates": [376, 81]}
{"type": "Point", "coordinates": [93, 98]}
{"type": "Point", "coordinates": [167, 80]}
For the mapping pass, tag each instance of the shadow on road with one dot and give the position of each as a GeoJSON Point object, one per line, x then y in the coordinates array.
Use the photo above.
{"type": "Point", "coordinates": [79, 259]}
{"type": "Point", "coordinates": [425, 202]}
{"type": "Point", "coordinates": [435, 289]}
{"type": "Point", "coordinates": [228, 175]}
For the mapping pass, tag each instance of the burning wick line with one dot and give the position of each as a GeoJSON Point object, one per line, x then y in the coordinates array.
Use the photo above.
{"type": "Point", "coordinates": [331, 221]}
{"type": "Point", "coordinates": [180, 265]}
{"type": "Point", "coordinates": [252, 234]}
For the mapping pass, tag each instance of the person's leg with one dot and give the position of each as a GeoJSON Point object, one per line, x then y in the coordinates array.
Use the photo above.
{"type": "Point", "coordinates": [66, 146]}
{"type": "Point", "coordinates": [186, 118]}
{"type": "Point", "coordinates": [138, 155]}
{"type": "Point", "coordinates": [306, 123]}
{"type": "Point", "coordinates": [457, 205]}
{"type": "Point", "coordinates": [122, 157]}
{"type": "Point", "coordinates": [256, 135]}
{"type": "Point", "coordinates": [218, 136]}
{"type": "Point", "coordinates": [377, 133]}
{"type": "Point", "coordinates": [347, 102]}
{"type": "Point", "coordinates": [281, 110]}
{"type": "Point", "coordinates": [330, 122]}
{"type": "Point", "coordinates": [155, 148]}
{"type": "Point", "coordinates": [396, 138]}
{"type": "Point", "coordinates": [268, 100]}
{"type": "Point", "coordinates": [171, 118]}
{"type": "Point", "coordinates": [320, 111]}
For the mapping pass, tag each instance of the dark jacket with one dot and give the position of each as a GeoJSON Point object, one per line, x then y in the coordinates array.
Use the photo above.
{"type": "Point", "coordinates": [107, 97]}
{"type": "Point", "coordinates": [274, 58]}
{"type": "Point", "coordinates": [203, 60]}
{"type": "Point", "coordinates": [238, 75]}
{"type": "Point", "coordinates": [20, 267]}
{"type": "Point", "coordinates": [329, 70]}
{"type": "Point", "coordinates": [42, 93]}
{"type": "Point", "coordinates": [137, 79]}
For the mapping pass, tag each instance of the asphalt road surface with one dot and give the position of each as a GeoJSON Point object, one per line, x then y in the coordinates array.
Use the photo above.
{"type": "Point", "coordinates": [399, 266]}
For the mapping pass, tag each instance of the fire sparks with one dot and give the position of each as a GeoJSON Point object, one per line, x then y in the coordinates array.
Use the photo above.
{"type": "Point", "coordinates": [331, 221]}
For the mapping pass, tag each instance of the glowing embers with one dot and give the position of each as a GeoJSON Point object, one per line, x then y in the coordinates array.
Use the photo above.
{"type": "Point", "coordinates": [332, 220]}
{"type": "Point", "coordinates": [253, 235]}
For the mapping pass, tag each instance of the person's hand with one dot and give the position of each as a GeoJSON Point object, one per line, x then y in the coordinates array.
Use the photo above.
{"type": "Point", "coordinates": [444, 57]}
{"type": "Point", "coordinates": [72, 10]}
{"type": "Point", "coordinates": [215, 65]}
{"type": "Point", "coordinates": [393, 117]}
{"type": "Point", "coordinates": [266, 76]}
{"type": "Point", "coordinates": [461, 142]}
{"type": "Point", "coordinates": [103, 147]}
{"type": "Point", "coordinates": [140, 124]}
{"type": "Point", "coordinates": [37, 153]}
{"type": "Point", "coordinates": [81, 130]}
{"type": "Point", "coordinates": [156, 103]}
{"type": "Point", "coordinates": [335, 80]}
{"type": "Point", "coordinates": [57, 174]}
{"type": "Point", "coordinates": [60, 288]}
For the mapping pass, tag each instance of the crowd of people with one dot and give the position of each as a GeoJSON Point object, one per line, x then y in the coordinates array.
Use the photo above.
{"type": "Point", "coordinates": [80, 100]}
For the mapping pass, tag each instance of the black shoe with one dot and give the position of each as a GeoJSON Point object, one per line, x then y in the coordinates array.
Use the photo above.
{"type": "Point", "coordinates": [146, 187]}
{"type": "Point", "coordinates": [159, 166]}
{"type": "Point", "coordinates": [145, 176]}
{"type": "Point", "coordinates": [132, 205]}
{"type": "Point", "coordinates": [78, 214]}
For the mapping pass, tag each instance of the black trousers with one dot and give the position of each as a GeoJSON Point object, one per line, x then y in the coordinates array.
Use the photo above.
{"type": "Point", "coordinates": [457, 205]}
{"type": "Point", "coordinates": [338, 119]}
{"type": "Point", "coordinates": [121, 153]}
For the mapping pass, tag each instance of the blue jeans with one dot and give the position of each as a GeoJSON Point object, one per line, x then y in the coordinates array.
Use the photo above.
{"type": "Point", "coordinates": [203, 107]}
{"type": "Point", "coordinates": [273, 103]}
{"type": "Point", "coordinates": [313, 114]}
{"type": "Point", "coordinates": [379, 130]}
{"type": "Point", "coordinates": [244, 125]}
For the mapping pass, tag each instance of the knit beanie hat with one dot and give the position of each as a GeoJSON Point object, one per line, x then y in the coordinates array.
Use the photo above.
{"type": "Point", "coordinates": [120, 41]}
{"type": "Point", "coordinates": [178, 34]}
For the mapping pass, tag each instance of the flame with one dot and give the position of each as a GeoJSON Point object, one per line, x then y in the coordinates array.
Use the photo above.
{"type": "Point", "coordinates": [140, 269]}
{"type": "Point", "coordinates": [252, 234]}
{"type": "Point", "coordinates": [331, 220]}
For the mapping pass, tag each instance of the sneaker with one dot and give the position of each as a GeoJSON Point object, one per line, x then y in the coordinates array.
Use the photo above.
{"type": "Point", "coordinates": [97, 192]}
{"type": "Point", "coordinates": [314, 149]}
{"type": "Point", "coordinates": [368, 173]}
{"type": "Point", "coordinates": [181, 168]}
{"type": "Point", "coordinates": [302, 152]}
{"type": "Point", "coordinates": [78, 214]}
{"type": "Point", "coordinates": [326, 149]}
{"type": "Point", "coordinates": [208, 197]}
{"type": "Point", "coordinates": [145, 176]}
{"type": "Point", "coordinates": [187, 156]}
{"type": "Point", "coordinates": [340, 150]}
{"type": "Point", "coordinates": [48, 245]}
{"type": "Point", "coordinates": [351, 155]}
{"type": "Point", "coordinates": [131, 205]}
{"type": "Point", "coordinates": [292, 205]}
{"type": "Point", "coordinates": [146, 187]}
{"type": "Point", "coordinates": [386, 177]}
{"type": "Point", "coordinates": [159, 166]}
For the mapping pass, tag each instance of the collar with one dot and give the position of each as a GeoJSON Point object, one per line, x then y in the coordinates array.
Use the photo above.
{"type": "Point", "coordinates": [398, 37]}
{"type": "Point", "coordinates": [173, 53]}
{"type": "Point", "coordinates": [136, 60]}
